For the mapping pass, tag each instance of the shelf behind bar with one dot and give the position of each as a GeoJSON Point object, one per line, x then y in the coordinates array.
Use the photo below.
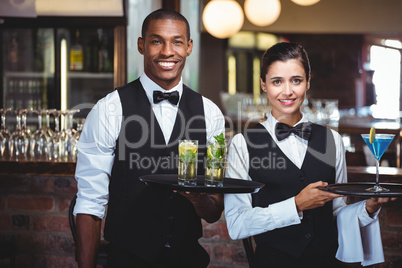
{"type": "Point", "coordinates": [37, 168]}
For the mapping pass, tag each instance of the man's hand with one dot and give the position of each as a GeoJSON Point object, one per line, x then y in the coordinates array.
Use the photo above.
{"type": "Point", "coordinates": [208, 206]}
{"type": "Point", "coordinates": [373, 204]}
{"type": "Point", "coordinates": [311, 197]}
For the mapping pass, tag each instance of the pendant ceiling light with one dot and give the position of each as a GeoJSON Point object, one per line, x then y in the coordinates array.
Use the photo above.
{"type": "Point", "coordinates": [223, 18]}
{"type": "Point", "coordinates": [305, 2]}
{"type": "Point", "coordinates": [262, 12]}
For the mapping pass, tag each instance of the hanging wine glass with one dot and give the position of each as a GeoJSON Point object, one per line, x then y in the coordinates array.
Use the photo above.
{"type": "Point", "coordinates": [69, 132]}
{"type": "Point", "coordinates": [48, 112]}
{"type": "Point", "coordinates": [56, 149]}
{"type": "Point", "coordinates": [64, 136]}
{"type": "Point", "coordinates": [19, 141]}
{"type": "Point", "coordinates": [5, 136]}
{"type": "Point", "coordinates": [25, 130]}
{"type": "Point", "coordinates": [49, 133]}
{"type": "Point", "coordinates": [74, 139]}
{"type": "Point", "coordinates": [40, 140]}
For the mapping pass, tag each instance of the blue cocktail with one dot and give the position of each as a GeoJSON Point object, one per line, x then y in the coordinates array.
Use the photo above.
{"type": "Point", "coordinates": [377, 145]}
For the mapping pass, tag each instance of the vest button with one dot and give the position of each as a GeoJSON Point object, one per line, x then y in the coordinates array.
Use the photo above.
{"type": "Point", "coordinates": [308, 235]}
{"type": "Point", "coordinates": [301, 178]}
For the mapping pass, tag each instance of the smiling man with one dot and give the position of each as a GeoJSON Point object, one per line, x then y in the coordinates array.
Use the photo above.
{"type": "Point", "coordinates": [134, 131]}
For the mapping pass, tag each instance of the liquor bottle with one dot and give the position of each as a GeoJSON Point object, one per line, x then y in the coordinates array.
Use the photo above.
{"type": "Point", "coordinates": [20, 99]}
{"type": "Point", "coordinates": [76, 54]}
{"type": "Point", "coordinates": [10, 95]}
{"type": "Point", "coordinates": [104, 58]}
{"type": "Point", "coordinates": [13, 53]}
{"type": "Point", "coordinates": [29, 96]}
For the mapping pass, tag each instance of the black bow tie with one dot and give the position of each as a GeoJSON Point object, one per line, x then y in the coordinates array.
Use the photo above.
{"type": "Point", "coordinates": [303, 130]}
{"type": "Point", "coordinates": [172, 97]}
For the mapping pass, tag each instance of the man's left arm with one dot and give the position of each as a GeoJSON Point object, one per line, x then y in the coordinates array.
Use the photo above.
{"type": "Point", "coordinates": [207, 206]}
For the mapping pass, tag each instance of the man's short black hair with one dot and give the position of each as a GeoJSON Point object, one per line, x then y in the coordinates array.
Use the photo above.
{"type": "Point", "coordinates": [164, 14]}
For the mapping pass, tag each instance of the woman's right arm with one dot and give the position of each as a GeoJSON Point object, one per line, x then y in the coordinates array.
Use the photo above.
{"type": "Point", "coordinates": [243, 220]}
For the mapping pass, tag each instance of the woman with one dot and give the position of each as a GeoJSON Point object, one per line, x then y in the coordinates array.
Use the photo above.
{"type": "Point", "coordinates": [291, 219]}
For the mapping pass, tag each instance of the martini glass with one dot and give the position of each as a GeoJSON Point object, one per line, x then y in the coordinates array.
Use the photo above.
{"type": "Point", "coordinates": [377, 148]}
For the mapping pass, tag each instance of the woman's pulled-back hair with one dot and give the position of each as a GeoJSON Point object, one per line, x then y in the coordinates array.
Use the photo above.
{"type": "Point", "coordinates": [282, 52]}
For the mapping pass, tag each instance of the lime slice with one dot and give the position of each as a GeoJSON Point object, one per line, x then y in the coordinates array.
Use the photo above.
{"type": "Point", "coordinates": [372, 135]}
{"type": "Point", "coordinates": [209, 153]}
{"type": "Point", "coordinates": [187, 146]}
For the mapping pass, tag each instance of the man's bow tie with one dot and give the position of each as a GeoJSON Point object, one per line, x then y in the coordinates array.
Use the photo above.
{"type": "Point", "coordinates": [303, 130]}
{"type": "Point", "coordinates": [172, 97]}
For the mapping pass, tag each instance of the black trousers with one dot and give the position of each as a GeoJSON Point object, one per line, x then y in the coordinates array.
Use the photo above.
{"type": "Point", "coordinates": [268, 257]}
{"type": "Point", "coordinates": [120, 258]}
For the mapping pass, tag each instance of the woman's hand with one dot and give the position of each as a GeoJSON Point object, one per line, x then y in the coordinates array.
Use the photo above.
{"type": "Point", "coordinates": [312, 197]}
{"type": "Point", "coordinates": [373, 204]}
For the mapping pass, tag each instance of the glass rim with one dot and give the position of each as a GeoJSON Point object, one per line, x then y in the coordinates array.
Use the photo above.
{"type": "Point", "coordinates": [379, 135]}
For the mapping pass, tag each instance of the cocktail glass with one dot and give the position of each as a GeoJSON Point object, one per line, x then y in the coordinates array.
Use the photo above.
{"type": "Point", "coordinates": [377, 148]}
{"type": "Point", "coordinates": [188, 155]}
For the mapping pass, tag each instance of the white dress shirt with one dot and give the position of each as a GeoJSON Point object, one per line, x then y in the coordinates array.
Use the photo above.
{"type": "Point", "coordinates": [242, 219]}
{"type": "Point", "coordinates": [98, 141]}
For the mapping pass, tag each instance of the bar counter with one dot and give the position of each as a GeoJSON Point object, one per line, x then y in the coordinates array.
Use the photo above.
{"type": "Point", "coordinates": [37, 168]}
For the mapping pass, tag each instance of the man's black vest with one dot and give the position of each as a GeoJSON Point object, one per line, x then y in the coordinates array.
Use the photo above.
{"type": "Point", "coordinates": [282, 179]}
{"type": "Point", "coordinates": [143, 219]}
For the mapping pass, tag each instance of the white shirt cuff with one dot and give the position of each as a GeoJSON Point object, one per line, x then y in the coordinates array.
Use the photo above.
{"type": "Point", "coordinates": [364, 217]}
{"type": "Point", "coordinates": [84, 206]}
{"type": "Point", "coordinates": [285, 213]}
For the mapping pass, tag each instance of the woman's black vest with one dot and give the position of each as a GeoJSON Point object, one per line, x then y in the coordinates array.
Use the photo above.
{"type": "Point", "coordinates": [142, 219]}
{"type": "Point", "coordinates": [282, 179]}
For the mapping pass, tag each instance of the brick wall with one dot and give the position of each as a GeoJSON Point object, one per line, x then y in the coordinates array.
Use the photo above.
{"type": "Point", "coordinates": [34, 214]}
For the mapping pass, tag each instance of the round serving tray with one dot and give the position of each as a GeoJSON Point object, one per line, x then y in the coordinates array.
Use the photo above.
{"type": "Point", "coordinates": [359, 189]}
{"type": "Point", "coordinates": [170, 181]}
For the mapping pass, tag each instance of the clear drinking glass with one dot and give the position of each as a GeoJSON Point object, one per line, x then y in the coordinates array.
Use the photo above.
{"type": "Point", "coordinates": [188, 156]}
{"type": "Point", "coordinates": [215, 166]}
